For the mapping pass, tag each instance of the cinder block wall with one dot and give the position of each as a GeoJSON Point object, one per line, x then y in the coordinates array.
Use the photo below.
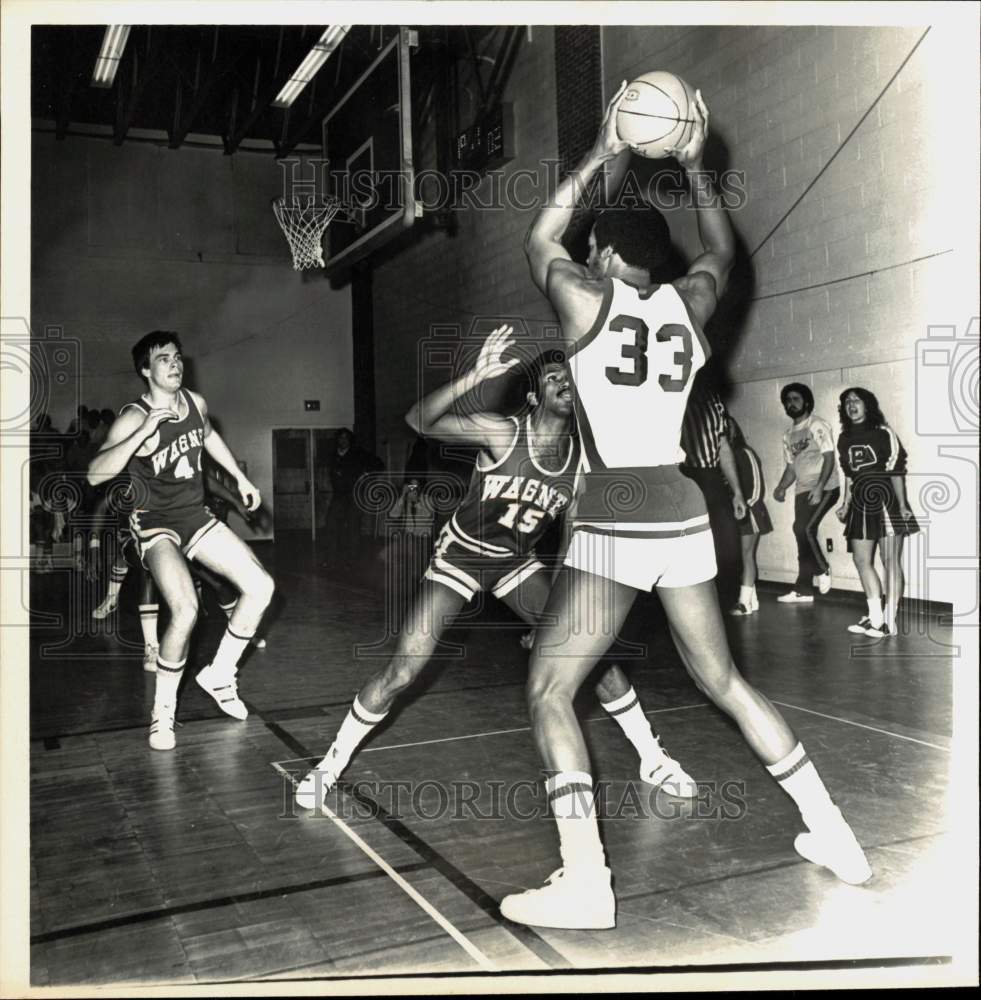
{"type": "Point", "coordinates": [879, 247]}
{"type": "Point", "coordinates": [844, 282]}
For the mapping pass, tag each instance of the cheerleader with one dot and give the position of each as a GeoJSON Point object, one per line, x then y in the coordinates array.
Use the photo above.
{"type": "Point", "coordinates": [875, 510]}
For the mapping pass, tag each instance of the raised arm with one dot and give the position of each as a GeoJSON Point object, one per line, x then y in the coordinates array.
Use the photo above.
{"type": "Point", "coordinates": [708, 274]}
{"type": "Point", "coordinates": [128, 432]}
{"type": "Point", "coordinates": [432, 416]}
{"type": "Point", "coordinates": [543, 243]}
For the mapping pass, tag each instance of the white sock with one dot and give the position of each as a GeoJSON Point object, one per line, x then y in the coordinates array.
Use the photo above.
{"type": "Point", "coordinates": [875, 611]}
{"type": "Point", "coordinates": [746, 596]}
{"type": "Point", "coordinates": [230, 649]}
{"type": "Point", "coordinates": [799, 778]}
{"type": "Point", "coordinates": [116, 577]}
{"type": "Point", "coordinates": [630, 717]}
{"type": "Point", "coordinates": [356, 725]}
{"type": "Point", "coordinates": [570, 794]}
{"type": "Point", "coordinates": [169, 673]}
{"type": "Point", "coordinates": [148, 623]}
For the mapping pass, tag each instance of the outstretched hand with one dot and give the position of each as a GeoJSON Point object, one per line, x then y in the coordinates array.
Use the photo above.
{"type": "Point", "coordinates": [690, 155]}
{"type": "Point", "coordinates": [490, 363]}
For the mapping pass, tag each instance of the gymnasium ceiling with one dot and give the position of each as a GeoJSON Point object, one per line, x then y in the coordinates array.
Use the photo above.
{"type": "Point", "coordinates": [182, 82]}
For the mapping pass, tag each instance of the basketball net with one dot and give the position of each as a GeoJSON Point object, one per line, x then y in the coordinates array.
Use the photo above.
{"type": "Point", "coordinates": [303, 222]}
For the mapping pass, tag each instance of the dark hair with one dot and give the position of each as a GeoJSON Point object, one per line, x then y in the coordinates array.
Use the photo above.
{"type": "Point", "coordinates": [107, 416]}
{"type": "Point", "coordinates": [805, 393]}
{"type": "Point", "coordinates": [873, 414]}
{"type": "Point", "coordinates": [143, 347]}
{"type": "Point", "coordinates": [535, 371]}
{"type": "Point", "coordinates": [639, 235]}
{"type": "Point", "coordinates": [736, 432]}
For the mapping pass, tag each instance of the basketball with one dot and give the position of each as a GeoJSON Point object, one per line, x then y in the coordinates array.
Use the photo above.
{"type": "Point", "coordinates": [655, 114]}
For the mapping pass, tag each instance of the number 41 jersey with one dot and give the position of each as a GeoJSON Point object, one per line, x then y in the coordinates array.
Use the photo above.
{"type": "Point", "coordinates": [633, 373]}
{"type": "Point", "coordinates": [166, 470]}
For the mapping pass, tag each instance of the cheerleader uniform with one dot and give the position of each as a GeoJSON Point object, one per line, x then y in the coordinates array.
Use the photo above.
{"type": "Point", "coordinates": [871, 459]}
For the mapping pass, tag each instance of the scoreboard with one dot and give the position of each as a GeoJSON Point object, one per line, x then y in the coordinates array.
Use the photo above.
{"type": "Point", "coordinates": [488, 143]}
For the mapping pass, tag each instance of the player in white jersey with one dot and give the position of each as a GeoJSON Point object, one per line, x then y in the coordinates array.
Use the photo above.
{"type": "Point", "coordinates": [634, 347]}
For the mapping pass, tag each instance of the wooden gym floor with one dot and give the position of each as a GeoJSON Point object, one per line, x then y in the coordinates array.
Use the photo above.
{"type": "Point", "coordinates": [193, 867]}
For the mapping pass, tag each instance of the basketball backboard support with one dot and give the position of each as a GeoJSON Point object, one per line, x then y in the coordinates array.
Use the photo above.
{"type": "Point", "coordinates": [367, 143]}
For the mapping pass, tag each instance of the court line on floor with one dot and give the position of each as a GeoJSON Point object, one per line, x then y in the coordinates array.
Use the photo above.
{"type": "Point", "coordinates": [861, 725]}
{"type": "Point", "coordinates": [179, 909]}
{"type": "Point", "coordinates": [507, 732]}
{"type": "Point", "coordinates": [461, 939]}
{"type": "Point", "coordinates": [524, 935]}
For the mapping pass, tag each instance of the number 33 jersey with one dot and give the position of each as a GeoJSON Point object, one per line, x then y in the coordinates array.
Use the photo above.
{"type": "Point", "coordinates": [510, 503]}
{"type": "Point", "coordinates": [633, 373]}
{"type": "Point", "coordinates": [166, 470]}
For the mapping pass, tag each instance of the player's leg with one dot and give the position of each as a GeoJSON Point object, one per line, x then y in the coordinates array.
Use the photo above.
{"type": "Point", "coordinates": [226, 594]}
{"type": "Point", "coordinates": [583, 614]}
{"type": "Point", "coordinates": [891, 549]}
{"type": "Point", "coordinates": [822, 568]}
{"type": "Point", "coordinates": [748, 601]}
{"type": "Point", "coordinates": [616, 694]}
{"type": "Point", "coordinates": [223, 552]}
{"type": "Point", "coordinates": [170, 572]}
{"type": "Point", "coordinates": [434, 609]}
{"type": "Point", "coordinates": [117, 574]}
{"type": "Point", "coordinates": [803, 590]}
{"type": "Point", "coordinates": [863, 555]}
{"type": "Point", "coordinates": [149, 612]}
{"type": "Point", "coordinates": [696, 624]}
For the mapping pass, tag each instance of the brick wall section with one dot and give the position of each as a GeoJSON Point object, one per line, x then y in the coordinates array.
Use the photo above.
{"type": "Point", "coordinates": [849, 281]}
{"type": "Point", "coordinates": [475, 276]}
{"type": "Point", "coordinates": [578, 90]}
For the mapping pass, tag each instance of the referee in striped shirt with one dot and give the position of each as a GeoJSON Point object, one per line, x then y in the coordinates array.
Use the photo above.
{"type": "Point", "coordinates": [710, 463]}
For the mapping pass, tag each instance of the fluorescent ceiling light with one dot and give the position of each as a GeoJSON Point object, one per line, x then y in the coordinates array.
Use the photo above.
{"type": "Point", "coordinates": [111, 52]}
{"type": "Point", "coordinates": [310, 66]}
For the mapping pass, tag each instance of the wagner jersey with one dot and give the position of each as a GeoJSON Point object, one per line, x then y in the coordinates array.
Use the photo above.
{"type": "Point", "coordinates": [166, 470]}
{"type": "Point", "coordinates": [511, 503]}
{"type": "Point", "coordinates": [633, 373]}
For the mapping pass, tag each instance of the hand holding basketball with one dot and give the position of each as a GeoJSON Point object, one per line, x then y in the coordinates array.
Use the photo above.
{"type": "Point", "coordinates": [608, 142]}
{"type": "Point", "coordinates": [690, 155]}
{"type": "Point", "coordinates": [490, 363]}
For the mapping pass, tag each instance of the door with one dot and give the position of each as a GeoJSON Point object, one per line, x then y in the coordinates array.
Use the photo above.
{"type": "Point", "coordinates": [292, 496]}
{"type": "Point", "coordinates": [301, 483]}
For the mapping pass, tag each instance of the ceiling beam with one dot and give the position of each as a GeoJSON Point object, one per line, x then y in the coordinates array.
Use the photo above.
{"type": "Point", "coordinates": [220, 67]}
{"type": "Point", "coordinates": [267, 95]}
{"type": "Point", "coordinates": [148, 63]}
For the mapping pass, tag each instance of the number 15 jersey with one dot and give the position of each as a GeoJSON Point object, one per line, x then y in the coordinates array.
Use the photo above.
{"type": "Point", "coordinates": [633, 373]}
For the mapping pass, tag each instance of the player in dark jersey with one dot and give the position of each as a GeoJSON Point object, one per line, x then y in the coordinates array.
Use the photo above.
{"type": "Point", "coordinates": [523, 480]}
{"type": "Point", "coordinates": [752, 517]}
{"type": "Point", "coordinates": [635, 345]}
{"type": "Point", "coordinates": [158, 439]}
{"type": "Point", "coordinates": [875, 509]}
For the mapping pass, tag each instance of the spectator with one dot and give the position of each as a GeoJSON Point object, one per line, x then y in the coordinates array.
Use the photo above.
{"type": "Point", "coordinates": [875, 510]}
{"type": "Point", "coordinates": [345, 467]}
{"type": "Point", "coordinates": [752, 517]}
{"type": "Point", "coordinates": [809, 453]}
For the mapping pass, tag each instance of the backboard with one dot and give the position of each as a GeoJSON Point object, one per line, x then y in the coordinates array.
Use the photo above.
{"type": "Point", "coordinates": [367, 142]}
